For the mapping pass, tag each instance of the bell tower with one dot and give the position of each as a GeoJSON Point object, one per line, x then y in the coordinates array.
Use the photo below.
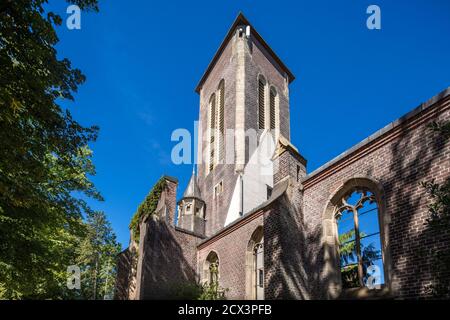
{"type": "Point", "coordinates": [244, 110]}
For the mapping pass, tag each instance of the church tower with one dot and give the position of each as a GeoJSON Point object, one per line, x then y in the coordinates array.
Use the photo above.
{"type": "Point", "coordinates": [244, 110]}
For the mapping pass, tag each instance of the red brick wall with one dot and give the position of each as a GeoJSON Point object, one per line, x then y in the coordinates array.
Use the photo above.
{"type": "Point", "coordinates": [398, 160]}
{"type": "Point", "coordinates": [231, 249]}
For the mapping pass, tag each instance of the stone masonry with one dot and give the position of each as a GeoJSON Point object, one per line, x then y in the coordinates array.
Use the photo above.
{"type": "Point", "coordinates": [295, 224]}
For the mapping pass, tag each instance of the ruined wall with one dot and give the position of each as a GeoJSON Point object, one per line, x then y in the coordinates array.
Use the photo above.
{"type": "Point", "coordinates": [167, 255]}
{"type": "Point", "coordinates": [123, 277]}
{"type": "Point", "coordinates": [394, 160]}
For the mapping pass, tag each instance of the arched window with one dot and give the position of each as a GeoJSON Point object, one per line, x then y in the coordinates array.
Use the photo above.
{"type": "Point", "coordinates": [360, 246]}
{"type": "Point", "coordinates": [221, 118]}
{"type": "Point", "coordinates": [255, 266]}
{"type": "Point", "coordinates": [261, 102]}
{"type": "Point", "coordinates": [211, 269]}
{"type": "Point", "coordinates": [272, 108]}
{"type": "Point", "coordinates": [212, 129]}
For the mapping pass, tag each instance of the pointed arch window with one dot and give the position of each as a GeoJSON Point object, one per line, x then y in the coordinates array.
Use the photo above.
{"type": "Point", "coordinates": [261, 102]}
{"type": "Point", "coordinates": [211, 269]}
{"type": "Point", "coordinates": [255, 266]}
{"type": "Point", "coordinates": [359, 239]}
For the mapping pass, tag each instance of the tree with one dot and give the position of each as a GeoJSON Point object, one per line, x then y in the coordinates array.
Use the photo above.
{"type": "Point", "coordinates": [97, 258]}
{"type": "Point", "coordinates": [44, 156]}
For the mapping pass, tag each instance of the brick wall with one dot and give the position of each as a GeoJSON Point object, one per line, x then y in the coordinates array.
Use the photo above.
{"type": "Point", "coordinates": [216, 209]}
{"type": "Point", "coordinates": [166, 255]}
{"type": "Point", "coordinates": [123, 278]}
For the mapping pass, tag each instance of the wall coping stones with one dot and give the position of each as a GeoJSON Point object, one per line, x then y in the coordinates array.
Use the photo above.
{"type": "Point", "coordinates": [383, 131]}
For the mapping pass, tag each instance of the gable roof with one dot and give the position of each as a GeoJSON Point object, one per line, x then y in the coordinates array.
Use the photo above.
{"type": "Point", "coordinates": [242, 20]}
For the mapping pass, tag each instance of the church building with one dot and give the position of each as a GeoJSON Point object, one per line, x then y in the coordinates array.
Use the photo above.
{"type": "Point", "coordinates": [256, 224]}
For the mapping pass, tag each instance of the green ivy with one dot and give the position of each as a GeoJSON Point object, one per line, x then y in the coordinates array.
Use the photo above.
{"type": "Point", "coordinates": [147, 207]}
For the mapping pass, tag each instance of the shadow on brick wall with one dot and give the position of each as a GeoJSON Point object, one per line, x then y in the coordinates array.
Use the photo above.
{"type": "Point", "coordinates": [294, 255]}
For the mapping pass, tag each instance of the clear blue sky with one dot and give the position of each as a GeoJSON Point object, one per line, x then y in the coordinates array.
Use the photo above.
{"type": "Point", "coordinates": [143, 59]}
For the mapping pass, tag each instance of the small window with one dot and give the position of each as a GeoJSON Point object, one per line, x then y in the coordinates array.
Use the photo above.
{"type": "Point", "coordinates": [188, 208]}
{"type": "Point", "coordinates": [269, 192]}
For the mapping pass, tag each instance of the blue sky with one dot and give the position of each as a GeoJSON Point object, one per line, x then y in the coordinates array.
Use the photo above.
{"type": "Point", "coordinates": [143, 60]}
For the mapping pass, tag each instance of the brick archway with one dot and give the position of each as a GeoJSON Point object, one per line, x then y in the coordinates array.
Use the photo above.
{"type": "Point", "coordinates": [212, 257]}
{"type": "Point", "coordinates": [330, 232]}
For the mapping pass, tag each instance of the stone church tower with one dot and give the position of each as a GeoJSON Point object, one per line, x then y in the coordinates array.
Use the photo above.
{"type": "Point", "coordinates": [244, 109]}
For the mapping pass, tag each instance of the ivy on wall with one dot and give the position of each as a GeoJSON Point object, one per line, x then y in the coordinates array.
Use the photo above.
{"type": "Point", "coordinates": [147, 207]}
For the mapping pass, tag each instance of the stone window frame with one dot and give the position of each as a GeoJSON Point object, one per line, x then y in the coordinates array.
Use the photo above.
{"type": "Point", "coordinates": [216, 191]}
{"type": "Point", "coordinates": [330, 240]}
{"type": "Point", "coordinates": [256, 238]}
{"type": "Point", "coordinates": [268, 89]}
{"type": "Point", "coordinates": [216, 133]}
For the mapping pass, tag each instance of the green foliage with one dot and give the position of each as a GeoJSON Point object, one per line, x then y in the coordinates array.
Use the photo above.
{"type": "Point", "coordinates": [442, 128]}
{"type": "Point", "coordinates": [197, 291]}
{"type": "Point", "coordinates": [186, 291]}
{"type": "Point", "coordinates": [347, 250]}
{"type": "Point", "coordinates": [147, 207]}
{"type": "Point", "coordinates": [349, 276]}
{"type": "Point", "coordinates": [45, 161]}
